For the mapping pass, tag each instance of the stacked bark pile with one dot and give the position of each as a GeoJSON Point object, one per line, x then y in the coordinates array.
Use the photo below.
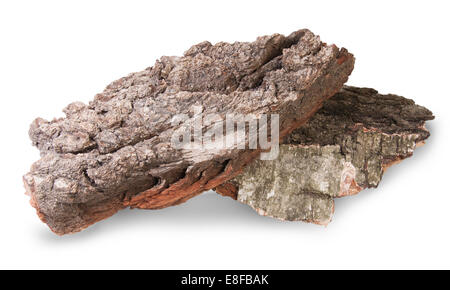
{"type": "Point", "coordinates": [118, 151]}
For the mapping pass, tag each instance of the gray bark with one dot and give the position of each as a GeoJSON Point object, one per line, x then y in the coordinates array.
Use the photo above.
{"type": "Point", "coordinates": [344, 148]}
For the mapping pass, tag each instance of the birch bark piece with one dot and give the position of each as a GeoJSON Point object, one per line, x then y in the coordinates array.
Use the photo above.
{"type": "Point", "coordinates": [343, 149]}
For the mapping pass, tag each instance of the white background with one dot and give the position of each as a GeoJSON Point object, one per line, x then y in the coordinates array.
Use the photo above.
{"type": "Point", "coordinates": [56, 52]}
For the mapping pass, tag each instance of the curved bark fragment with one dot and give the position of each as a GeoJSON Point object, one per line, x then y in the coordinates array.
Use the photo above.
{"type": "Point", "coordinates": [116, 152]}
{"type": "Point", "coordinates": [343, 149]}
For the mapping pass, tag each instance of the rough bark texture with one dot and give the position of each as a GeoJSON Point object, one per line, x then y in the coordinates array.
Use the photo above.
{"type": "Point", "coordinates": [116, 152]}
{"type": "Point", "coordinates": [343, 149]}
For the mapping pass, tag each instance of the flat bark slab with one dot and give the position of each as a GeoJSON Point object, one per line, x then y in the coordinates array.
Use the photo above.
{"type": "Point", "coordinates": [343, 149]}
{"type": "Point", "coordinates": [116, 152]}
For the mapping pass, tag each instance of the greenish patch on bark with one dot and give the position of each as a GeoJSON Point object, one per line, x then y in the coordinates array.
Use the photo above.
{"type": "Point", "coordinates": [343, 149]}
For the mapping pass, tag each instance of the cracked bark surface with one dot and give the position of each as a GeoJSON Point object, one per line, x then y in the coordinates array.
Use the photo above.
{"type": "Point", "coordinates": [343, 149]}
{"type": "Point", "coordinates": [116, 151]}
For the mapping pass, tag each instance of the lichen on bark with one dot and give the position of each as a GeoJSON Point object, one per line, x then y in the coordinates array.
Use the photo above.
{"type": "Point", "coordinates": [343, 149]}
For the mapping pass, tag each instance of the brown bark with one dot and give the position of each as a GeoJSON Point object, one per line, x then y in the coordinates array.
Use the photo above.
{"type": "Point", "coordinates": [116, 152]}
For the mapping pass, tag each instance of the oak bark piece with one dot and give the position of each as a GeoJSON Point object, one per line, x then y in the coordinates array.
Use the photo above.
{"type": "Point", "coordinates": [343, 149]}
{"type": "Point", "coordinates": [116, 152]}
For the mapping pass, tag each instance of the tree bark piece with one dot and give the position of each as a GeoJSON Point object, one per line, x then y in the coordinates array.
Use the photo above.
{"type": "Point", "coordinates": [116, 152]}
{"type": "Point", "coordinates": [343, 149]}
